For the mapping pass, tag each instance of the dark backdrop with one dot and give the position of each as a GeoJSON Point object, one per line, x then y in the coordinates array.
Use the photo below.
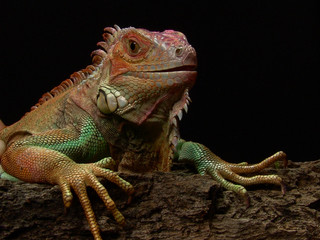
{"type": "Point", "coordinates": [257, 89]}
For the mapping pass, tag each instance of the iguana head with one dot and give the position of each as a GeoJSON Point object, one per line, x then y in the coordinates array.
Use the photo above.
{"type": "Point", "coordinates": [149, 74]}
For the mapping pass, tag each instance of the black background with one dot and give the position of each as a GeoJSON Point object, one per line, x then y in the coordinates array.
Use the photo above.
{"type": "Point", "coordinates": [257, 89]}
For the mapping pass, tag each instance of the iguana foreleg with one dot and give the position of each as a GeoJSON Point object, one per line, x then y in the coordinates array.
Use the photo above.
{"type": "Point", "coordinates": [31, 159]}
{"type": "Point", "coordinates": [222, 171]}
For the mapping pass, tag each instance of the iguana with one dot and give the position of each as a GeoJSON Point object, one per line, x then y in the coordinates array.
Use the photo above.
{"type": "Point", "coordinates": [119, 114]}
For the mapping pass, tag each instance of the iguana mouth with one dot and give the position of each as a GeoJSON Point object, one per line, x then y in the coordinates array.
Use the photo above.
{"type": "Point", "coordinates": [170, 87]}
{"type": "Point", "coordinates": [185, 68]}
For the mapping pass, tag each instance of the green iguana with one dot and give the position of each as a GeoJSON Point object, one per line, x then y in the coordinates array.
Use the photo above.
{"type": "Point", "coordinates": [119, 114]}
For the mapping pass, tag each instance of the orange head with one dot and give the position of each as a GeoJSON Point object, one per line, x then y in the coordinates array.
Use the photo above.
{"type": "Point", "coordinates": [148, 76]}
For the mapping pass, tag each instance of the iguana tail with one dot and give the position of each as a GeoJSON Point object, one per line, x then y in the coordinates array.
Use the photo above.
{"type": "Point", "coordinates": [2, 126]}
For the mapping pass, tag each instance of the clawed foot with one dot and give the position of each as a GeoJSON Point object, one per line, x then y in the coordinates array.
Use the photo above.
{"type": "Point", "coordinates": [227, 174]}
{"type": "Point", "coordinates": [224, 170]}
{"type": "Point", "coordinates": [80, 176]}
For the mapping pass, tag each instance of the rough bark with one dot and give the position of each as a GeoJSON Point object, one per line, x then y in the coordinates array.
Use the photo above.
{"type": "Point", "coordinates": [176, 205]}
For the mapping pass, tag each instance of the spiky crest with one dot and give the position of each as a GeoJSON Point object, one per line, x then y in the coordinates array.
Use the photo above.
{"type": "Point", "coordinates": [76, 78]}
{"type": "Point", "coordinates": [108, 36]}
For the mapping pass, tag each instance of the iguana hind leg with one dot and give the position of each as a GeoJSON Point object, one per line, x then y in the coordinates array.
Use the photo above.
{"type": "Point", "coordinates": [3, 174]}
{"type": "Point", "coordinates": [6, 176]}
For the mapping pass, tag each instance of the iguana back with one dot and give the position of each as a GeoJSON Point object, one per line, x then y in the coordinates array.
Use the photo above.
{"type": "Point", "coordinates": [51, 112]}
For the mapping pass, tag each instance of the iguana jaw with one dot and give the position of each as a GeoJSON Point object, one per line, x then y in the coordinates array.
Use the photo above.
{"type": "Point", "coordinates": [162, 95]}
{"type": "Point", "coordinates": [169, 97]}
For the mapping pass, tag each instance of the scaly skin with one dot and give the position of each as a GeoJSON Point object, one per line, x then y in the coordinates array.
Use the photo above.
{"type": "Point", "coordinates": [119, 114]}
{"type": "Point", "coordinates": [207, 162]}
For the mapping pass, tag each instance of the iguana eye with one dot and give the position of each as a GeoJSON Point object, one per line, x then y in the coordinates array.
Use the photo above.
{"type": "Point", "coordinates": [133, 47]}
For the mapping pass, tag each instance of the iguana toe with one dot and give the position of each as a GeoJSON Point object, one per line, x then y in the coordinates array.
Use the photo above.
{"type": "Point", "coordinates": [79, 177]}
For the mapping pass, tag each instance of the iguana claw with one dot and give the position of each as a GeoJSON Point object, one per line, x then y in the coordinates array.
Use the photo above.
{"type": "Point", "coordinates": [79, 176]}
